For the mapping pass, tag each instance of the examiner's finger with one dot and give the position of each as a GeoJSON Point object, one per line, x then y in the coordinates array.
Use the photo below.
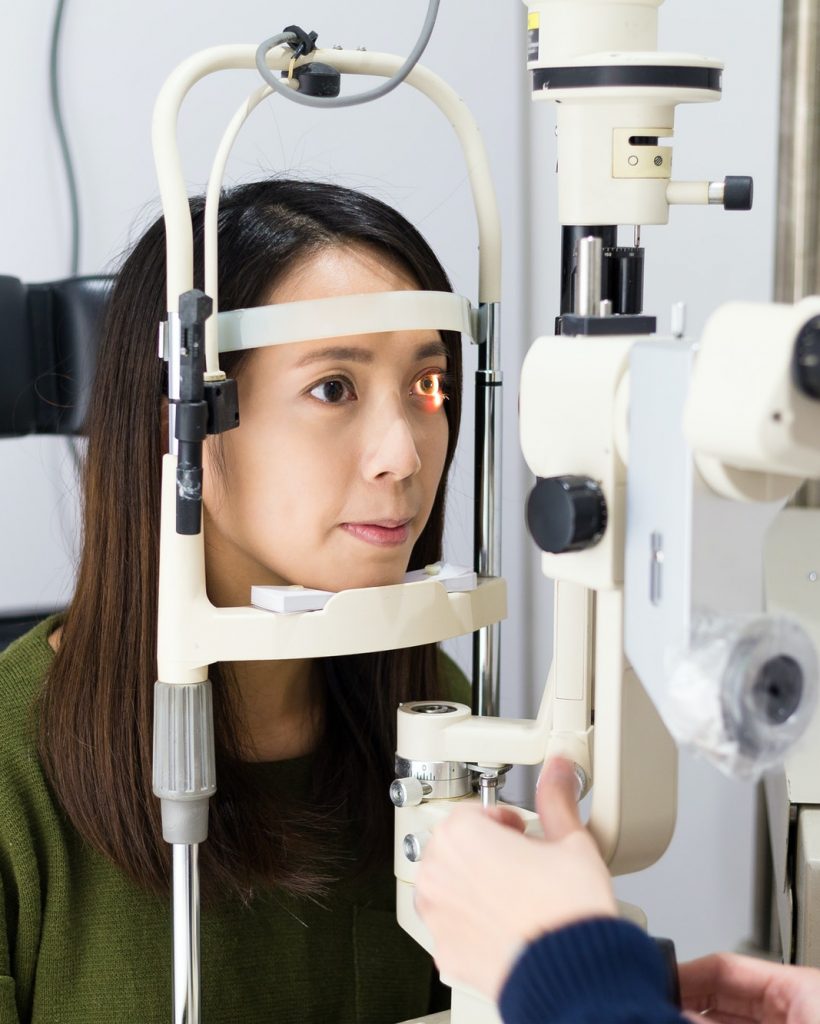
{"type": "Point", "coordinates": [506, 816]}
{"type": "Point", "coordinates": [724, 977]}
{"type": "Point", "coordinates": [555, 799]}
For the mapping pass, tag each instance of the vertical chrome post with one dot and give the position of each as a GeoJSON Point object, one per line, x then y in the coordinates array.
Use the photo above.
{"type": "Point", "coordinates": [797, 259]}
{"type": "Point", "coordinates": [796, 275]}
{"type": "Point", "coordinates": [186, 932]}
{"type": "Point", "coordinates": [588, 289]}
{"type": "Point", "coordinates": [184, 778]}
{"type": "Point", "coordinates": [797, 241]}
{"type": "Point", "coordinates": [487, 494]}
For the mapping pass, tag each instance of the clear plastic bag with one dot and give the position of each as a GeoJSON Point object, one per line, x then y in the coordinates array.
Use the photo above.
{"type": "Point", "coordinates": [743, 692]}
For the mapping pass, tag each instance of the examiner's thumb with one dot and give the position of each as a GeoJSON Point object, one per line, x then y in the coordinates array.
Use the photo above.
{"type": "Point", "coordinates": [556, 799]}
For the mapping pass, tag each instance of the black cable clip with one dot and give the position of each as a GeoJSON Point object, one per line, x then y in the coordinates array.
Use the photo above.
{"type": "Point", "coordinates": [306, 41]}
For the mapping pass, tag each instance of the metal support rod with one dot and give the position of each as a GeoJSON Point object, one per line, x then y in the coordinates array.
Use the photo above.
{"type": "Point", "coordinates": [184, 778]}
{"type": "Point", "coordinates": [486, 663]}
{"type": "Point", "coordinates": [763, 923]}
{"type": "Point", "coordinates": [797, 274]}
{"type": "Point", "coordinates": [588, 283]}
{"type": "Point", "coordinates": [487, 493]}
{"type": "Point", "coordinates": [186, 932]}
{"type": "Point", "coordinates": [797, 255]}
{"type": "Point", "coordinates": [797, 259]}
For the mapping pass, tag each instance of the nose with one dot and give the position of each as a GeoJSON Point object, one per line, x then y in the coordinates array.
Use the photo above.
{"type": "Point", "coordinates": [390, 448]}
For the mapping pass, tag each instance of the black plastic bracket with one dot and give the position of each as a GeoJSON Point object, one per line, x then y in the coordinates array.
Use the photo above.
{"type": "Point", "coordinates": [191, 410]}
{"type": "Point", "coordinates": [222, 399]}
{"type": "Point", "coordinates": [306, 41]}
{"type": "Point", "coordinates": [194, 309]}
{"type": "Point", "coordinates": [317, 79]}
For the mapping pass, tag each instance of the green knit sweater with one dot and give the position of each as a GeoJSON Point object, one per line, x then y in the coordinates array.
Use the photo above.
{"type": "Point", "coordinates": [81, 944]}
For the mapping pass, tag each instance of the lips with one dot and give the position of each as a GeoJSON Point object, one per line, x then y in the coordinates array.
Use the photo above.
{"type": "Point", "coordinates": [385, 533]}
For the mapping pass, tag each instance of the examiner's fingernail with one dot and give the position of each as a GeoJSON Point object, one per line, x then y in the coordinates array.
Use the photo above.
{"type": "Point", "coordinates": [557, 769]}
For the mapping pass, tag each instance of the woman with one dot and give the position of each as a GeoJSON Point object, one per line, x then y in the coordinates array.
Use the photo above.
{"type": "Point", "coordinates": [544, 939]}
{"type": "Point", "coordinates": [335, 478]}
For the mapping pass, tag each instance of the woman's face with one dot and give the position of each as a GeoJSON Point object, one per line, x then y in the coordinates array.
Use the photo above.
{"type": "Point", "coordinates": [331, 475]}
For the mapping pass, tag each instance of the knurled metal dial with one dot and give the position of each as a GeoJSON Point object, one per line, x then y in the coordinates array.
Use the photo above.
{"type": "Point", "coordinates": [446, 779]}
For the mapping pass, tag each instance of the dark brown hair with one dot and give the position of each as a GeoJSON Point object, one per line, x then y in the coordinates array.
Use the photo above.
{"type": "Point", "coordinates": [96, 712]}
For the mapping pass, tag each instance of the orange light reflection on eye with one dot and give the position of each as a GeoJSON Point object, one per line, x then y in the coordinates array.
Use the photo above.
{"type": "Point", "coordinates": [435, 397]}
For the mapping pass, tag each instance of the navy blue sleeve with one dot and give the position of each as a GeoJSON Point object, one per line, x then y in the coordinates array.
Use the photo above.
{"type": "Point", "coordinates": [587, 973]}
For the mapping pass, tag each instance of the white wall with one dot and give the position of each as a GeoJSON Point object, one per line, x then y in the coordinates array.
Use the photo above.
{"type": "Point", "coordinates": [114, 59]}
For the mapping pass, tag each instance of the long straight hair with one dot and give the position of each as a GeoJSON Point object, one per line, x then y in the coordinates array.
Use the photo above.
{"type": "Point", "coordinates": [96, 709]}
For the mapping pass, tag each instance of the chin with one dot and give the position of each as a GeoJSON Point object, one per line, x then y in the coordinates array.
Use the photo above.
{"type": "Point", "coordinates": [360, 577]}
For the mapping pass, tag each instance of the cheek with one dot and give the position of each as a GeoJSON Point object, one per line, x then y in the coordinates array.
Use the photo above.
{"type": "Point", "coordinates": [287, 490]}
{"type": "Point", "coordinates": [433, 454]}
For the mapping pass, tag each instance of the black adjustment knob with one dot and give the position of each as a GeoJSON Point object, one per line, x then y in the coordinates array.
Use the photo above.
{"type": "Point", "coordinates": [807, 359]}
{"type": "Point", "coordinates": [566, 513]}
{"type": "Point", "coordinates": [623, 279]}
{"type": "Point", "coordinates": [738, 192]}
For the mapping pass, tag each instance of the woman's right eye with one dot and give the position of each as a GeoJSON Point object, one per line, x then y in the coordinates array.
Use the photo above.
{"type": "Point", "coordinates": [333, 391]}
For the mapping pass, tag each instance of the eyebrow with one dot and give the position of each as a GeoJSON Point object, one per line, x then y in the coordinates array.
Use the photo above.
{"type": "Point", "coordinates": [349, 354]}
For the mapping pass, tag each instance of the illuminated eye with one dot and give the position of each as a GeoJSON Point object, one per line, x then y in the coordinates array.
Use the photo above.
{"type": "Point", "coordinates": [431, 386]}
{"type": "Point", "coordinates": [330, 391]}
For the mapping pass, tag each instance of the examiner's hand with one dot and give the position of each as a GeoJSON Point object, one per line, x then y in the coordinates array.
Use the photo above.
{"type": "Point", "coordinates": [739, 989]}
{"type": "Point", "coordinates": [485, 890]}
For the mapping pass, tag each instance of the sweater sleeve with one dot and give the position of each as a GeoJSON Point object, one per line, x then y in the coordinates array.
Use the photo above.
{"type": "Point", "coordinates": [602, 969]}
{"type": "Point", "coordinates": [8, 992]}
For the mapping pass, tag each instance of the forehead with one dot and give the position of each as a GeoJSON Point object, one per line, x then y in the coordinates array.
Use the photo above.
{"type": "Point", "coordinates": [395, 352]}
{"type": "Point", "coordinates": [342, 270]}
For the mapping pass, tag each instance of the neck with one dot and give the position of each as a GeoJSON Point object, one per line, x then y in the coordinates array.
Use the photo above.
{"type": "Point", "coordinates": [280, 707]}
{"type": "Point", "coordinates": [280, 702]}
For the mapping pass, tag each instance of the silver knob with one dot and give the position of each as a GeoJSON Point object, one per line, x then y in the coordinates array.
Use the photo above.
{"type": "Point", "coordinates": [413, 845]}
{"type": "Point", "coordinates": [488, 787]}
{"type": "Point", "coordinates": [409, 792]}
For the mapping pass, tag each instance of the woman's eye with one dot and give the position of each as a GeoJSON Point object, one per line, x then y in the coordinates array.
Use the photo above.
{"type": "Point", "coordinates": [332, 391]}
{"type": "Point", "coordinates": [431, 386]}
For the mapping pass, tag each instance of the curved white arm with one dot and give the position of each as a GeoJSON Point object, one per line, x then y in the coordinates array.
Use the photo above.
{"type": "Point", "coordinates": [173, 193]}
{"type": "Point", "coordinates": [211, 245]}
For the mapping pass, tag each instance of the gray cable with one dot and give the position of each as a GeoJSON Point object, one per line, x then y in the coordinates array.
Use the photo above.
{"type": "Point", "coordinates": [277, 85]}
{"type": "Point", "coordinates": [57, 114]}
{"type": "Point", "coordinates": [74, 205]}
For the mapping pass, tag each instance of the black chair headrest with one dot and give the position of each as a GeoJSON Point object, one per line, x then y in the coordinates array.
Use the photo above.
{"type": "Point", "coordinates": [50, 335]}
